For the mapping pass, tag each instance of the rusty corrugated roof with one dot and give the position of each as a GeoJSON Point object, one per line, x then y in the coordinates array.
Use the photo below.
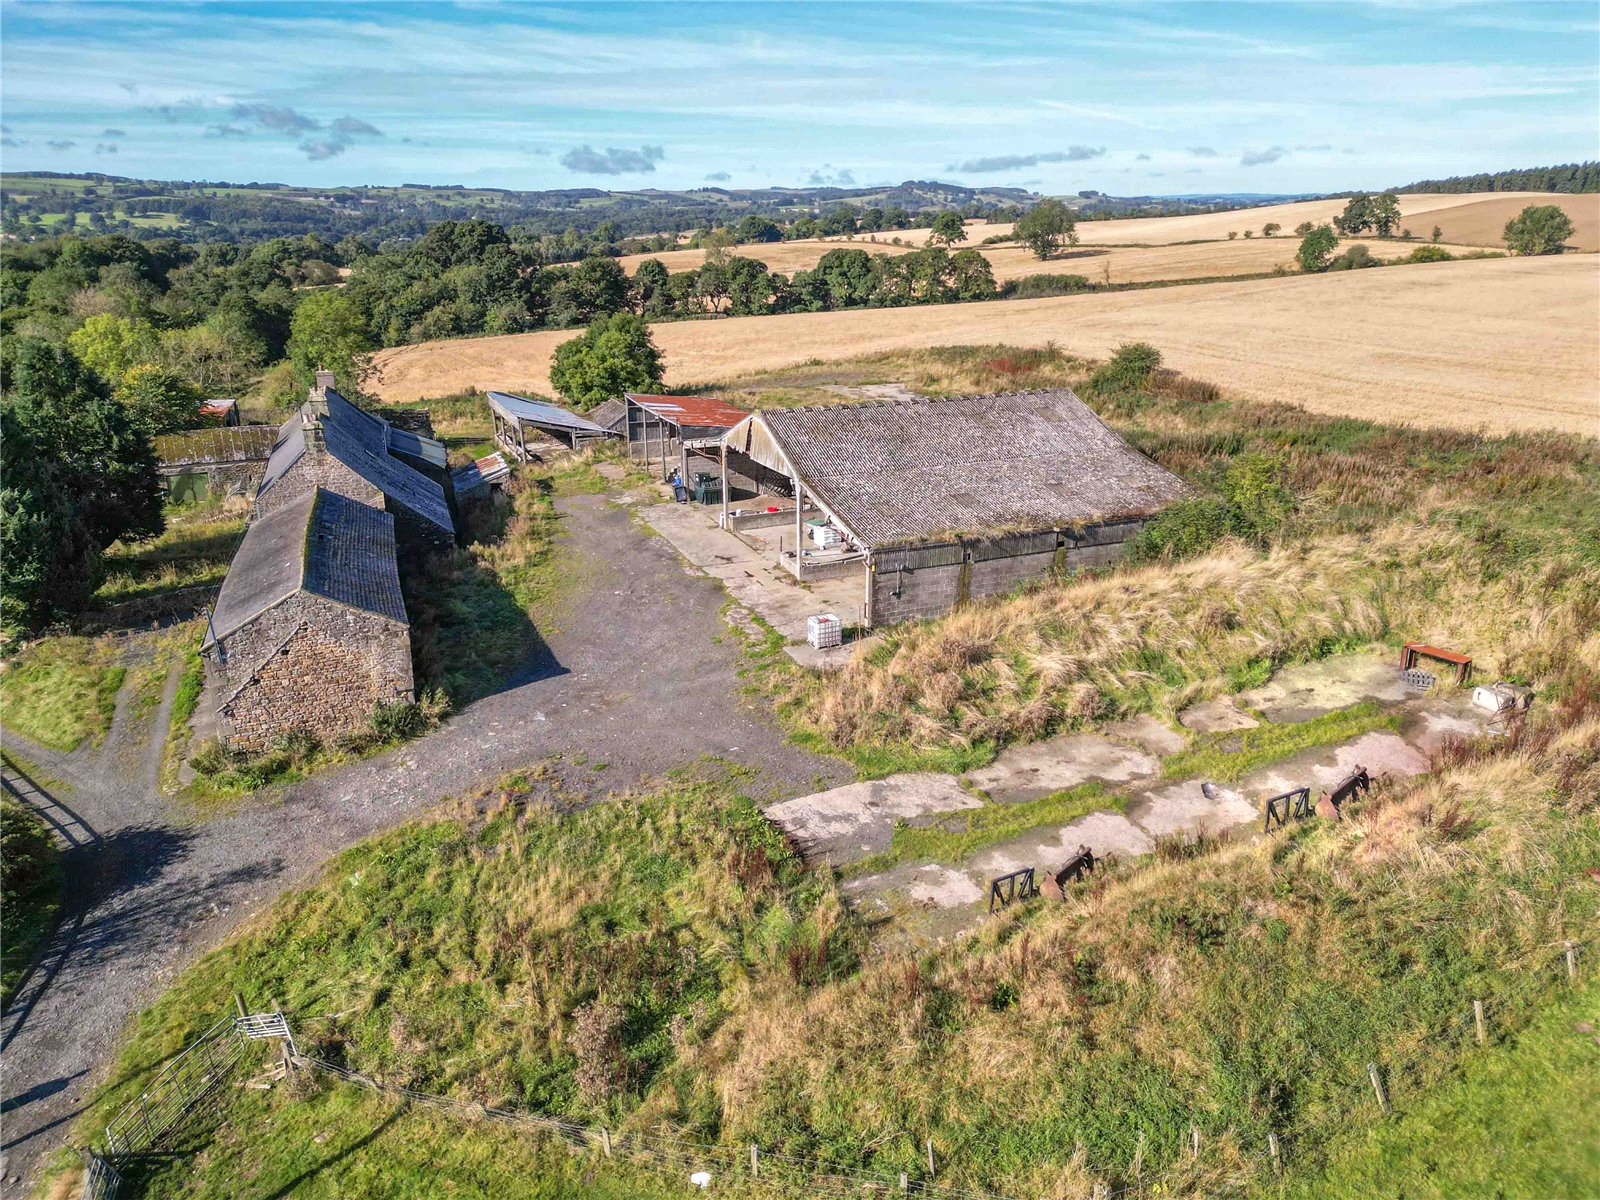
{"type": "Point", "coordinates": [704, 411]}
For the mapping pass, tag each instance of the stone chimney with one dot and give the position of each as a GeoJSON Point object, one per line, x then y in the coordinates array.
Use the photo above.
{"type": "Point", "coordinates": [325, 381]}
{"type": "Point", "coordinates": [312, 413]}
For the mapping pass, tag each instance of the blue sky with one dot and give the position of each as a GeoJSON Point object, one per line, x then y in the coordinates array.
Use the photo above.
{"type": "Point", "coordinates": [1126, 98]}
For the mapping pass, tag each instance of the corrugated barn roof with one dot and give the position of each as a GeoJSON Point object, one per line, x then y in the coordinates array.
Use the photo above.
{"type": "Point", "coordinates": [704, 412]}
{"type": "Point", "coordinates": [921, 470]}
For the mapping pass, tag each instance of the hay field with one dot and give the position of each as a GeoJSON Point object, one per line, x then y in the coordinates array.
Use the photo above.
{"type": "Point", "coordinates": [1472, 225]}
{"type": "Point", "coordinates": [1504, 344]}
{"type": "Point", "coordinates": [1127, 264]}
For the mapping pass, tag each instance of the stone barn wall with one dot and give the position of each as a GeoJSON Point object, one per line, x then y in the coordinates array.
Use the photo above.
{"type": "Point", "coordinates": [309, 664]}
{"type": "Point", "coordinates": [317, 470]}
{"type": "Point", "coordinates": [928, 581]}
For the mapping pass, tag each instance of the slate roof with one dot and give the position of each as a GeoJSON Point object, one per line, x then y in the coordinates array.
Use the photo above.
{"type": "Point", "coordinates": [909, 471]}
{"type": "Point", "coordinates": [361, 442]}
{"type": "Point", "coordinates": [541, 413]}
{"type": "Point", "coordinates": [693, 411]}
{"type": "Point", "coordinates": [325, 544]}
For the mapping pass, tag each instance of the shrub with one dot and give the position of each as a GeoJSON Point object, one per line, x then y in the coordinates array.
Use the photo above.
{"type": "Point", "coordinates": [1129, 369]}
{"type": "Point", "coordinates": [1538, 229]}
{"type": "Point", "coordinates": [1354, 259]}
{"type": "Point", "coordinates": [1426, 254]}
{"type": "Point", "coordinates": [1188, 528]}
{"type": "Point", "coordinates": [28, 853]}
{"type": "Point", "coordinates": [402, 720]}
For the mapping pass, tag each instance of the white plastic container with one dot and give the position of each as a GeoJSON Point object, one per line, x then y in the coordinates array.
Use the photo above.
{"type": "Point", "coordinates": [826, 536]}
{"type": "Point", "coordinates": [824, 631]}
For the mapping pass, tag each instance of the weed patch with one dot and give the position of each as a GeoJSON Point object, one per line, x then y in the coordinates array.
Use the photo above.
{"type": "Point", "coordinates": [61, 691]}
{"type": "Point", "coordinates": [1229, 757]}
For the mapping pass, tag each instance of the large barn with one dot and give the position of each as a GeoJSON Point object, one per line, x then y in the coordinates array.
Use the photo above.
{"type": "Point", "coordinates": [938, 501]}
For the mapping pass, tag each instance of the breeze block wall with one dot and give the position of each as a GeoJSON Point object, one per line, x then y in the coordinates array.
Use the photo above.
{"type": "Point", "coordinates": [918, 582]}
{"type": "Point", "coordinates": [311, 665]}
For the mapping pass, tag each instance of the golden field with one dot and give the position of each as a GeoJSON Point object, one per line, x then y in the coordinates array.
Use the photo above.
{"type": "Point", "coordinates": [1473, 218]}
{"type": "Point", "coordinates": [1501, 344]}
{"type": "Point", "coordinates": [1125, 264]}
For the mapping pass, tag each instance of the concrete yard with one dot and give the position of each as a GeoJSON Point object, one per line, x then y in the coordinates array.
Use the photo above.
{"type": "Point", "coordinates": [756, 580]}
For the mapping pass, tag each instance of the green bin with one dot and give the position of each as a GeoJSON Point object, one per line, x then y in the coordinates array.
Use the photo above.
{"type": "Point", "coordinates": [707, 488]}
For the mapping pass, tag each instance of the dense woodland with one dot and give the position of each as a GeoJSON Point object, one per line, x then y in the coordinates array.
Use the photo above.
{"type": "Point", "coordinates": [1568, 177]}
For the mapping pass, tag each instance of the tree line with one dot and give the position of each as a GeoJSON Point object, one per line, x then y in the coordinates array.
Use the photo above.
{"type": "Point", "coordinates": [1567, 177]}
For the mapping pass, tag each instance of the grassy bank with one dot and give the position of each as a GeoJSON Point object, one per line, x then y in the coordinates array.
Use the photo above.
{"type": "Point", "coordinates": [523, 956]}
{"type": "Point", "coordinates": [31, 896]}
{"type": "Point", "coordinates": [192, 552]}
{"type": "Point", "coordinates": [1519, 1121]}
{"type": "Point", "coordinates": [61, 691]}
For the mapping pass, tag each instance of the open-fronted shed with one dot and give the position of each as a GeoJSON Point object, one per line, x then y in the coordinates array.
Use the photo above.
{"type": "Point", "coordinates": [949, 499]}
{"type": "Point", "coordinates": [671, 430]}
{"type": "Point", "coordinates": [524, 427]}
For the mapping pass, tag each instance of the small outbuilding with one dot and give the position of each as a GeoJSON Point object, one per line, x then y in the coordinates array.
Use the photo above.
{"type": "Point", "coordinates": [216, 461]}
{"type": "Point", "coordinates": [526, 429]}
{"type": "Point", "coordinates": [309, 632]}
{"type": "Point", "coordinates": [934, 502]}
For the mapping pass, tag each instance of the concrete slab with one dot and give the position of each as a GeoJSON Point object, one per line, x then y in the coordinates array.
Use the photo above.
{"type": "Point", "coordinates": [1381, 753]}
{"type": "Point", "coordinates": [1431, 727]}
{"type": "Point", "coordinates": [1103, 832]}
{"type": "Point", "coordinates": [851, 822]}
{"type": "Point", "coordinates": [1220, 714]}
{"type": "Point", "coordinates": [1183, 808]}
{"type": "Point", "coordinates": [1302, 692]}
{"type": "Point", "coordinates": [1150, 734]}
{"type": "Point", "coordinates": [1028, 772]}
{"type": "Point", "coordinates": [751, 578]}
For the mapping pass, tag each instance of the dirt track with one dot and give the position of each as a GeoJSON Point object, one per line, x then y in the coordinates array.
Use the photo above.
{"type": "Point", "coordinates": [149, 891]}
{"type": "Point", "coordinates": [1502, 344]}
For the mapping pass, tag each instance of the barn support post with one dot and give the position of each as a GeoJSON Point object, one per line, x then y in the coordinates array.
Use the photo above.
{"type": "Point", "coordinates": [799, 523]}
{"type": "Point", "coordinates": [723, 447]}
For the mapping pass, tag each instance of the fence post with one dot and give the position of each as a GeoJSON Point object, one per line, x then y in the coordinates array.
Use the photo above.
{"type": "Point", "coordinates": [238, 1002]}
{"type": "Point", "coordinates": [905, 1183]}
{"type": "Point", "coordinates": [755, 1165]}
{"type": "Point", "coordinates": [1194, 1141]}
{"type": "Point", "coordinates": [931, 1172]}
{"type": "Point", "coordinates": [1272, 1146]}
{"type": "Point", "coordinates": [1477, 1019]}
{"type": "Point", "coordinates": [1572, 962]}
{"type": "Point", "coordinates": [1377, 1086]}
{"type": "Point", "coordinates": [605, 1141]}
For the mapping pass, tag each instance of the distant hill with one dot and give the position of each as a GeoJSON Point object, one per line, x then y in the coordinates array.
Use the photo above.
{"type": "Point", "coordinates": [43, 203]}
{"type": "Point", "coordinates": [1568, 177]}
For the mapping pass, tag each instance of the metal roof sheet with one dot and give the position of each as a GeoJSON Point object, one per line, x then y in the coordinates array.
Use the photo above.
{"type": "Point", "coordinates": [540, 413]}
{"type": "Point", "coordinates": [429, 450]}
{"type": "Point", "coordinates": [922, 470]}
{"type": "Point", "coordinates": [704, 411]}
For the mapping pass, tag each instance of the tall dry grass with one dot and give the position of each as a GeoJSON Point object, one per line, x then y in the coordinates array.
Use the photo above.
{"type": "Point", "coordinates": [1237, 991]}
{"type": "Point", "coordinates": [1163, 636]}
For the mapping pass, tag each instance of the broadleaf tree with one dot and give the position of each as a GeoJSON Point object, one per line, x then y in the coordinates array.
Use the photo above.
{"type": "Point", "coordinates": [615, 354]}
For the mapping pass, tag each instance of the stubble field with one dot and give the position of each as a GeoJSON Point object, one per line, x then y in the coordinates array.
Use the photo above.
{"type": "Point", "coordinates": [1501, 344]}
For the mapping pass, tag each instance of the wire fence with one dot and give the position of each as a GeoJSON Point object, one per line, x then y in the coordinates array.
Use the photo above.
{"type": "Point", "coordinates": [146, 1123]}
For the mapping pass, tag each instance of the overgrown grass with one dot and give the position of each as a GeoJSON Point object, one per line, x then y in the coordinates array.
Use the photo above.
{"type": "Point", "coordinates": [61, 690]}
{"type": "Point", "coordinates": [953, 837]}
{"type": "Point", "coordinates": [194, 551]}
{"type": "Point", "coordinates": [1238, 991]}
{"type": "Point", "coordinates": [30, 890]}
{"type": "Point", "coordinates": [462, 955]}
{"type": "Point", "coordinates": [1519, 1121]}
{"type": "Point", "coordinates": [1229, 757]}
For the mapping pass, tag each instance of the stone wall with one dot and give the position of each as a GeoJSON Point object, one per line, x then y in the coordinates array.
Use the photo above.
{"type": "Point", "coordinates": [928, 581]}
{"type": "Point", "coordinates": [317, 470]}
{"type": "Point", "coordinates": [308, 664]}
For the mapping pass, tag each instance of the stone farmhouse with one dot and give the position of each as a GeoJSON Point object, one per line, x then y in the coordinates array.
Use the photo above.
{"type": "Point", "coordinates": [332, 444]}
{"type": "Point", "coordinates": [309, 631]}
{"type": "Point", "coordinates": [934, 502]}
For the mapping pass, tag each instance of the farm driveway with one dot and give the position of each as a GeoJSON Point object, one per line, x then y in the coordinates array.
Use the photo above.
{"type": "Point", "coordinates": [640, 677]}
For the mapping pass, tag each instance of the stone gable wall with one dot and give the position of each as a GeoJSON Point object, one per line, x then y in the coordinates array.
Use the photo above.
{"type": "Point", "coordinates": [314, 469]}
{"type": "Point", "coordinates": [309, 664]}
